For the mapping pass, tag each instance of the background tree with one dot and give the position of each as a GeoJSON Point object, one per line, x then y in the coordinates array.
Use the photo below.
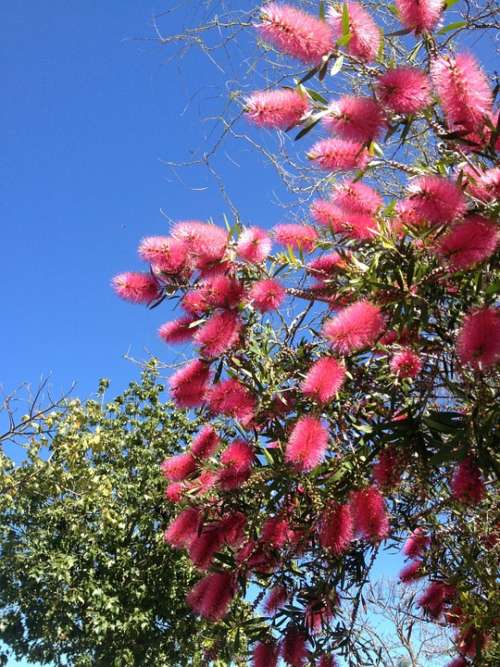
{"type": "Point", "coordinates": [370, 413]}
{"type": "Point", "coordinates": [85, 578]}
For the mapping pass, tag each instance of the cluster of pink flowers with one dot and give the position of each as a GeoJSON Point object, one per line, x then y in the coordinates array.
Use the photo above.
{"type": "Point", "coordinates": [225, 283]}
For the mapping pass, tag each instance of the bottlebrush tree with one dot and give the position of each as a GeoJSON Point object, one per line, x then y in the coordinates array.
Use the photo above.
{"type": "Point", "coordinates": [346, 364]}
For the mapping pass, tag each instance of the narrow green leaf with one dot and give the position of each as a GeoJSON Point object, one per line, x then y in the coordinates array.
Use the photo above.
{"type": "Point", "coordinates": [345, 19]}
{"type": "Point", "coordinates": [452, 26]}
{"type": "Point", "coordinates": [322, 14]}
{"type": "Point", "coordinates": [344, 40]}
{"type": "Point", "coordinates": [337, 66]}
{"type": "Point", "coordinates": [450, 3]}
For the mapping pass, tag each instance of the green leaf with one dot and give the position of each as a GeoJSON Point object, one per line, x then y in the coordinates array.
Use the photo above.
{"type": "Point", "coordinates": [305, 130]}
{"type": "Point", "coordinates": [345, 19]}
{"type": "Point", "coordinates": [337, 65]}
{"type": "Point", "coordinates": [322, 14]}
{"type": "Point", "coordinates": [344, 40]}
{"type": "Point", "coordinates": [452, 26]}
{"type": "Point", "coordinates": [450, 3]}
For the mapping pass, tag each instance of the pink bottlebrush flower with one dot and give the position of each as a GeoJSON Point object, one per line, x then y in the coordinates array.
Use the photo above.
{"type": "Point", "coordinates": [406, 364]}
{"type": "Point", "coordinates": [233, 528]}
{"type": "Point", "coordinates": [206, 243]}
{"type": "Point", "coordinates": [204, 444]}
{"type": "Point", "coordinates": [219, 334]}
{"type": "Point", "coordinates": [365, 35]}
{"type": "Point", "coordinates": [468, 243]}
{"type": "Point", "coordinates": [177, 331]}
{"type": "Point", "coordinates": [254, 245]}
{"type": "Point", "coordinates": [358, 226]}
{"type": "Point", "coordinates": [178, 467]}
{"type": "Point", "coordinates": [416, 544]}
{"type": "Point", "coordinates": [327, 661]}
{"type": "Point", "coordinates": [318, 614]}
{"type": "Point", "coordinates": [232, 399]}
{"type": "Point", "coordinates": [194, 303]}
{"type": "Point", "coordinates": [293, 647]}
{"type": "Point", "coordinates": [354, 327]}
{"type": "Point", "coordinates": [435, 597]}
{"type": "Point", "coordinates": [464, 91]}
{"type": "Point", "coordinates": [267, 295]}
{"type": "Point", "coordinates": [326, 266]}
{"type": "Point", "coordinates": [278, 109]}
{"type": "Point", "coordinates": [369, 513]}
{"type": "Point", "coordinates": [136, 287]}
{"type": "Point", "coordinates": [411, 572]}
{"type": "Point", "coordinates": [275, 600]}
{"type": "Point", "coordinates": [339, 155]}
{"type": "Point", "coordinates": [336, 528]}
{"type": "Point", "coordinates": [237, 461]}
{"type": "Point", "coordinates": [419, 15]}
{"type": "Point", "coordinates": [295, 33]}
{"type": "Point", "coordinates": [356, 197]}
{"type": "Point", "coordinates": [470, 640]}
{"type": "Point", "coordinates": [183, 529]}
{"type": "Point", "coordinates": [326, 213]}
{"type": "Point", "coordinates": [355, 118]}
{"type": "Point", "coordinates": [205, 482]}
{"type": "Point", "coordinates": [275, 532]}
{"type": "Point", "coordinates": [467, 485]}
{"type": "Point", "coordinates": [189, 384]}
{"type": "Point", "coordinates": [484, 186]}
{"type": "Point", "coordinates": [254, 558]}
{"type": "Point", "coordinates": [324, 379]}
{"type": "Point", "coordinates": [205, 545]}
{"type": "Point", "coordinates": [307, 444]}
{"type": "Point", "coordinates": [478, 342]}
{"type": "Point", "coordinates": [220, 291]}
{"type": "Point", "coordinates": [458, 662]}
{"type": "Point", "coordinates": [265, 654]}
{"type": "Point", "coordinates": [435, 199]}
{"type": "Point", "coordinates": [303, 237]}
{"type": "Point", "coordinates": [404, 90]}
{"type": "Point", "coordinates": [212, 595]}
{"type": "Point", "coordinates": [167, 254]}
{"type": "Point", "coordinates": [174, 492]}
{"type": "Point", "coordinates": [387, 471]}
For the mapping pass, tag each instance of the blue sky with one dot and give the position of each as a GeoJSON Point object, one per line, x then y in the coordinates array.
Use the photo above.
{"type": "Point", "coordinates": [88, 112]}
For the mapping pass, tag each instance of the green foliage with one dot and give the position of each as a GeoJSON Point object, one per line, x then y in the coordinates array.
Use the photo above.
{"type": "Point", "coordinates": [85, 576]}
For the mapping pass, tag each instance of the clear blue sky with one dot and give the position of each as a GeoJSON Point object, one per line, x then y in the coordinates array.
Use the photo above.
{"type": "Point", "coordinates": [87, 113]}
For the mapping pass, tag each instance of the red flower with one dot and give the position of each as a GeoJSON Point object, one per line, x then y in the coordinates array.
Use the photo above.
{"type": "Point", "coordinates": [404, 90]}
{"type": "Point", "coordinates": [178, 467]}
{"type": "Point", "coordinates": [435, 597]}
{"type": "Point", "coordinates": [184, 528]}
{"type": "Point", "coordinates": [295, 33]}
{"type": "Point", "coordinates": [324, 379]}
{"type": "Point", "coordinates": [478, 342]}
{"type": "Point", "coordinates": [189, 385]}
{"type": "Point", "coordinates": [219, 334]}
{"type": "Point", "coordinates": [136, 287]}
{"type": "Point", "coordinates": [339, 155]}
{"type": "Point", "coordinates": [265, 654]}
{"type": "Point", "coordinates": [275, 600]}
{"type": "Point", "coordinates": [354, 327]}
{"type": "Point", "coordinates": [387, 471]}
{"type": "Point", "coordinates": [293, 647]}
{"type": "Point", "coordinates": [303, 237]}
{"type": "Point", "coordinates": [416, 543]}
{"type": "Point", "coordinates": [411, 572]}
{"type": "Point", "coordinates": [307, 444]}
{"type": "Point", "coordinates": [406, 364]}
{"type": "Point", "coordinates": [212, 595]}
{"type": "Point", "coordinates": [254, 245]}
{"type": "Point", "coordinates": [177, 331]}
{"type": "Point", "coordinates": [279, 109]}
{"type": "Point", "coordinates": [356, 197]}
{"type": "Point", "coordinates": [355, 118]}
{"type": "Point", "coordinates": [204, 444]}
{"type": "Point", "coordinates": [464, 91]}
{"type": "Point", "coordinates": [435, 199]}
{"type": "Point", "coordinates": [237, 462]}
{"type": "Point", "coordinates": [468, 243]}
{"type": "Point", "coordinates": [365, 35]}
{"type": "Point", "coordinates": [336, 528]}
{"type": "Point", "coordinates": [267, 295]}
{"type": "Point", "coordinates": [232, 399]}
{"type": "Point", "coordinates": [167, 254]}
{"type": "Point", "coordinates": [419, 15]}
{"type": "Point", "coordinates": [467, 485]}
{"type": "Point", "coordinates": [369, 514]}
